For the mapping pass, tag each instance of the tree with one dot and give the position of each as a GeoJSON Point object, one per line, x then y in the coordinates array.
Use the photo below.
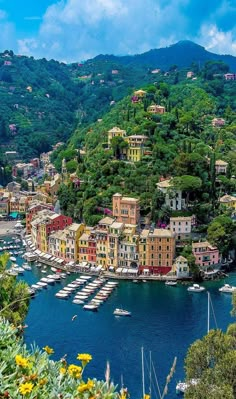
{"type": "Point", "coordinates": [212, 361]}
{"type": "Point", "coordinates": [118, 144]}
{"type": "Point", "coordinates": [220, 232]}
{"type": "Point", "coordinates": [188, 184]}
{"type": "Point", "coordinates": [14, 296]}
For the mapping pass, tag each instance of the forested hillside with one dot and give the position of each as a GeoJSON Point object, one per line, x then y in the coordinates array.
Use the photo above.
{"type": "Point", "coordinates": [42, 102]}
{"type": "Point", "coordinates": [181, 143]}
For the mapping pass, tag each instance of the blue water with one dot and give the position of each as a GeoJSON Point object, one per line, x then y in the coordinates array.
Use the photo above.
{"type": "Point", "coordinates": [165, 320]}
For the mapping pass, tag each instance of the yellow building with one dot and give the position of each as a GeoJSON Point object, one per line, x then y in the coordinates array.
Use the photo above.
{"type": "Point", "coordinates": [140, 93]}
{"type": "Point", "coordinates": [229, 201]}
{"type": "Point", "coordinates": [115, 132]}
{"type": "Point", "coordinates": [136, 147]}
{"type": "Point", "coordinates": [102, 241]}
{"type": "Point", "coordinates": [73, 234]}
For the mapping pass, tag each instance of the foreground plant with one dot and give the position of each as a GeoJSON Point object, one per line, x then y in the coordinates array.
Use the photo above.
{"type": "Point", "coordinates": [31, 374]}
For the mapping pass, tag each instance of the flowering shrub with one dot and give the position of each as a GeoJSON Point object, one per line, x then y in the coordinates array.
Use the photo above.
{"type": "Point", "coordinates": [32, 375]}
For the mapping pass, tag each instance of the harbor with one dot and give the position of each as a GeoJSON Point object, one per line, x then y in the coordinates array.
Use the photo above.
{"type": "Point", "coordinates": [161, 314]}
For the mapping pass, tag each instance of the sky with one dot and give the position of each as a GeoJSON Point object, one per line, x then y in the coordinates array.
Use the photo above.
{"type": "Point", "coordinates": [76, 30]}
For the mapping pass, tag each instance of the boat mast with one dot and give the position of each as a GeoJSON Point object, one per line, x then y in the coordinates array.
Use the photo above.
{"type": "Point", "coordinates": [143, 381]}
{"type": "Point", "coordinates": [150, 373]}
{"type": "Point", "coordinates": [208, 312]}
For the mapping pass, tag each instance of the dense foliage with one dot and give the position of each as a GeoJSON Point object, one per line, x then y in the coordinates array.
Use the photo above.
{"type": "Point", "coordinates": [14, 296]}
{"type": "Point", "coordinates": [182, 143]}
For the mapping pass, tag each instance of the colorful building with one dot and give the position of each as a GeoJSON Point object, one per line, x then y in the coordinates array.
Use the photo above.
{"type": "Point", "coordinates": [102, 242]}
{"type": "Point", "coordinates": [73, 234]}
{"type": "Point", "coordinates": [45, 223]}
{"type": "Point", "coordinates": [136, 147]}
{"type": "Point", "coordinates": [125, 209]}
{"type": "Point", "coordinates": [33, 208]}
{"type": "Point", "coordinates": [156, 109]}
{"type": "Point", "coordinates": [115, 132]}
{"type": "Point", "coordinates": [229, 201]}
{"type": "Point", "coordinates": [159, 251]}
{"type": "Point", "coordinates": [180, 267]}
{"type": "Point", "coordinates": [205, 254]}
{"type": "Point", "coordinates": [182, 226]}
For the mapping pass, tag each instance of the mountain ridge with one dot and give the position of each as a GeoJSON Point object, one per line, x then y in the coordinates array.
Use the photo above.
{"type": "Point", "coordinates": [182, 53]}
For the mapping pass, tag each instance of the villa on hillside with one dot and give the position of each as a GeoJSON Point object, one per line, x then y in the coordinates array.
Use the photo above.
{"type": "Point", "coordinates": [229, 201]}
{"type": "Point", "coordinates": [218, 122]}
{"type": "Point", "coordinates": [156, 109]}
{"type": "Point", "coordinates": [173, 197]}
{"type": "Point", "coordinates": [115, 132]}
{"type": "Point", "coordinates": [221, 167]}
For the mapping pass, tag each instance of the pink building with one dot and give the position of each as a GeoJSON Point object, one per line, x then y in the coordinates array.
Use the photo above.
{"type": "Point", "coordinates": [230, 76]}
{"type": "Point", "coordinates": [125, 210]}
{"type": "Point", "coordinates": [205, 254]}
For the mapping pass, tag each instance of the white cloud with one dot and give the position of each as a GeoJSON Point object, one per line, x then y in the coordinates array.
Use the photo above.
{"type": "Point", "coordinates": [218, 41]}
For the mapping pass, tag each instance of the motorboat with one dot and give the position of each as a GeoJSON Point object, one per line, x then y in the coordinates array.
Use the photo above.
{"type": "Point", "coordinates": [85, 277]}
{"type": "Point", "coordinates": [121, 312]}
{"type": "Point", "coordinates": [135, 281]}
{"type": "Point", "coordinates": [26, 266]}
{"type": "Point", "coordinates": [47, 280]}
{"type": "Point", "coordinates": [196, 288]}
{"type": "Point", "coordinates": [78, 301]}
{"type": "Point", "coordinates": [112, 283]}
{"type": "Point", "coordinates": [69, 289]}
{"type": "Point", "coordinates": [42, 284]}
{"type": "Point", "coordinates": [228, 289]}
{"type": "Point", "coordinates": [91, 306]}
{"type": "Point", "coordinates": [61, 295]}
{"type": "Point", "coordinates": [171, 283]}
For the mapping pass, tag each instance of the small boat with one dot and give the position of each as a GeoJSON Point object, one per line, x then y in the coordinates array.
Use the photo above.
{"type": "Point", "coordinates": [228, 289]}
{"type": "Point", "coordinates": [196, 288]}
{"type": "Point", "coordinates": [144, 281]}
{"type": "Point", "coordinates": [26, 266]}
{"type": "Point", "coordinates": [85, 277]}
{"type": "Point", "coordinates": [13, 259]}
{"type": "Point", "coordinates": [121, 312]}
{"type": "Point", "coordinates": [78, 301]}
{"type": "Point", "coordinates": [135, 281]}
{"type": "Point", "coordinates": [61, 295]}
{"type": "Point", "coordinates": [35, 287]}
{"type": "Point", "coordinates": [171, 283]}
{"type": "Point", "coordinates": [91, 306]}
{"type": "Point", "coordinates": [42, 284]}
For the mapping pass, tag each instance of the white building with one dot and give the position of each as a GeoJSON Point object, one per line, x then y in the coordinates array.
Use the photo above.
{"type": "Point", "coordinates": [173, 197]}
{"type": "Point", "coordinates": [181, 268]}
{"type": "Point", "coordinates": [182, 226]}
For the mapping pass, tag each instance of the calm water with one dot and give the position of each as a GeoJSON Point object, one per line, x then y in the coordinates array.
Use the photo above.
{"type": "Point", "coordinates": [165, 321]}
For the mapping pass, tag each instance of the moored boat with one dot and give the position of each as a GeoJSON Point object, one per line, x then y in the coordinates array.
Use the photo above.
{"type": "Point", "coordinates": [91, 306]}
{"type": "Point", "coordinates": [171, 283]}
{"type": "Point", "coordinates": [228, 289]}
{"type": "Point", "coordinates": [196, 288]}
{"type": "Point", "coordinates": [121, 312]}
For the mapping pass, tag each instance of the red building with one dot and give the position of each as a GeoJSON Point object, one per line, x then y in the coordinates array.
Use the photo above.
{"type": "Point", "coordinates": [33, 210]}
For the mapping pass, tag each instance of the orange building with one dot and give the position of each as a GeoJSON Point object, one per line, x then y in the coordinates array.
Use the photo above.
{"type": "Point", "coordinates": [157, 251]}
{"type": "Point", "coordinates": [125, 209]}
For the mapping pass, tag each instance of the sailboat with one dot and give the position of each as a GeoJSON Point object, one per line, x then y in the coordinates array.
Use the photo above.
{"type": "Point", "coordinates": [181, 387]}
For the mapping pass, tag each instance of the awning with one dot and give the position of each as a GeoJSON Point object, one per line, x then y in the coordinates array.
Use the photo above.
{"type": "Point", "coordinates": [133, 271]}
{"type": "Point", "coordinates": [124, 270]}
{"type": "Point", "coordinates": [60, 260]}
{"type": "Point", "coordinates": [119, 270]}
{"type": "Point", "coordinates": [98, 268]}
{"type": "Point", "coordinates": [146, 271]}
{"type": "Point", "coordinates": [38, 252]}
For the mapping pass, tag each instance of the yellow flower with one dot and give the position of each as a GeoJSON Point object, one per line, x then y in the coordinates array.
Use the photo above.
{"type": "Point", "coordinates": [75, 371]}
{"type": "Point", "coordinates": [90, 384]}
{"type": "Point", "coordinates": [21, 361]}
{"type": "Point", "coordinates": [146, 396]}
{"type": "Point", "coordinates": [82, 387]}
{"type": "Point", "coordinates": [26, 388]}
{"type": "Point", "coordinates": [84, 357]}
{"type": "Point", "coordinates": [43, 381]}
{"type": "Point", "coordinates": [63, 370]}
{"type": "Point", "coordinates": [48, 350]}
{"type": "Point", "coordinates": [122, 396]}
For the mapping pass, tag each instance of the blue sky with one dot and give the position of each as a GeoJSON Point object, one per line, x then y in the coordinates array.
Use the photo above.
{"type": "Point", "coordinates": [75, 30]}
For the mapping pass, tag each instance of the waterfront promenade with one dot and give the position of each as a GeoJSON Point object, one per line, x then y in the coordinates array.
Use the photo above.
{"type": "Point", "coordinates": [7, 227]}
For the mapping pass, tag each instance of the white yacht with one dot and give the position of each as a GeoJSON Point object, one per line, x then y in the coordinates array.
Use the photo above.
{"type": "Point", "coordinates": [90, 306]}
{"type": "Point", "coordinates": [227, 288]}
{"type": "Point", "coordinates": [171, 283]}
{"type": "Point", "coordinates": [196, 288]}
{"type": "Point", "coordinates": [121, 312]}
